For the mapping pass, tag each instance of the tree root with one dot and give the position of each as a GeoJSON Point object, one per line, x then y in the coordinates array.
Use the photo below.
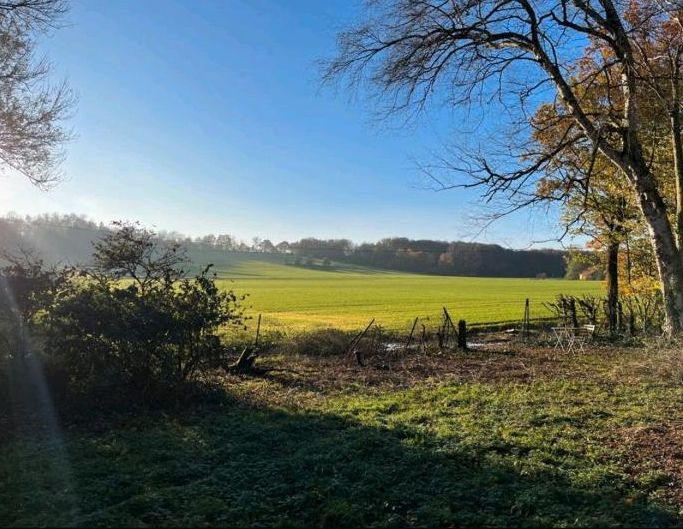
{"type": "Point", "coordinates": [246, 365]}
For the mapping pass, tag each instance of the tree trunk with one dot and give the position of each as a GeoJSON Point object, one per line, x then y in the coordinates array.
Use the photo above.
{"type": "Point", "coordinates": [662, 233]}
{"type": "Point", "coordinates": [572, 312]}
{"type": "Point", "coordinates": [245, 363]}
{"type": "Point", "coordinates": [677, 144]}
{"type": "Point", "coordinates": [613, 286]}
{"type": "Point", "coordinates": [669, 263]}
{"type": "Point", "coordinates": [671, 274]}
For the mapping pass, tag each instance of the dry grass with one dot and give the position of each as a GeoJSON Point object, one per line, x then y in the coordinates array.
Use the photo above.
{"type": "Point", "coordinates": [498, 359]}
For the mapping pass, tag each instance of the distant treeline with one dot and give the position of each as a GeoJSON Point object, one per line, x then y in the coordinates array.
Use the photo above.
{"type": "Point", "coordinates": [438, 257]}
{"type": "Point", "coordinates": [68, 239]}
{"type": "Point", "coordinates": [65, 239]}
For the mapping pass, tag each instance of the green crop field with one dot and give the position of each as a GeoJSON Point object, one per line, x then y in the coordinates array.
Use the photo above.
{"type": "Point", "coordinates": [347, 297]}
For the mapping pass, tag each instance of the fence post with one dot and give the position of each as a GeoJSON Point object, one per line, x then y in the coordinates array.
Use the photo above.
{"type": "Point", "coordinates": [462, 335]}
{"type": "Point", "coordinates": [527, 320]}
{"type": "Point", "coordinates": [410, 338]}
{"type": "Point", "coordinates": [359, 337]}
{"type": "Point", "coordinates": [258, 331]}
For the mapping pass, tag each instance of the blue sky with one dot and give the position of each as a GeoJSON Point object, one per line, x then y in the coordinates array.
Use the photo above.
{"type": "Point", "coordinates": [208, 117]}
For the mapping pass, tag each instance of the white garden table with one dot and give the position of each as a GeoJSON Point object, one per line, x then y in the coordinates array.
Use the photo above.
{"type": "Point", "coordinates": [564, 338]}
{"type": "Point", "coordinates": [571, 338]}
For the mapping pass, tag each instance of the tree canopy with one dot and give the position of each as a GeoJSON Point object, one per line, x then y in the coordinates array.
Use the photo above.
{"type": "Point", "coordinates": [33, 112]}
{"type": "Point", "coordinates": [594, 64]}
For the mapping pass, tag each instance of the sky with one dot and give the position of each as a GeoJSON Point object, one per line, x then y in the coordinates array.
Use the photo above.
{"type": "Point", "coordinates": [209, 117]}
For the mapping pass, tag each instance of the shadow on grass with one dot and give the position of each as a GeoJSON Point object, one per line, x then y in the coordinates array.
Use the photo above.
{"type": "Point", "coordinates": [241, 466]}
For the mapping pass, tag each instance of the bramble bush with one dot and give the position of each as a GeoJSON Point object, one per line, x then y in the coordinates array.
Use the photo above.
{"type": "Point", "coordinates": [639, 312]}
{"type": "Point", "coordinates": [105, 335]}
{"type": "Point", "coordinates": [27, 288]}
{"type": "Point", "coordinates": [134, 324]}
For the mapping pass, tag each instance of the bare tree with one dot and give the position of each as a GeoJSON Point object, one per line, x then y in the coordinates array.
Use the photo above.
{"type": "Point", "coordinates": [32, 111]}
{"type": "Point", "coordinates": [521, 53]}
{"type": "Point", "coordinates": [131, 251]}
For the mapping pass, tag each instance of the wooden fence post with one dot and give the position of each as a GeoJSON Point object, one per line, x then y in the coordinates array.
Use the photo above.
{"type": "Point", "coordinates": [357, 340]}
{"type": "Point", "coordinates": [258, 331]}
{"type": "Point", "coordinates": [462, 335]}
{"type": "Point", "coordinates": [410, 338]}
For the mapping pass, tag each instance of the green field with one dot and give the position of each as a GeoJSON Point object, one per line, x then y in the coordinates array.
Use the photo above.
{"type": "Point", "coordinates": [347, 297]}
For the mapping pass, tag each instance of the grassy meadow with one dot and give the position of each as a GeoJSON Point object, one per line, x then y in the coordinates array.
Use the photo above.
{"type": "Point", "coordinates": [503, 436]}
{"type": "Point", "coordinates": [504, 439]}
{"type": "Point", "coordinates": [347, 296]}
